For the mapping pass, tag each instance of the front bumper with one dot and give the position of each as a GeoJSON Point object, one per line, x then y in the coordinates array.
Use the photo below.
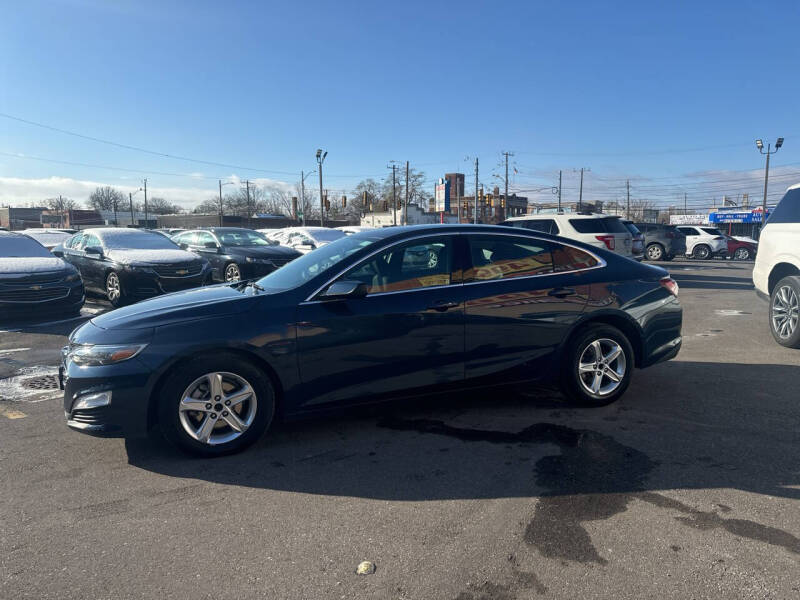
{"type": "Point", "coordinates": [146, 284]}
{"type": "Point", "coordinates": [70, 300]}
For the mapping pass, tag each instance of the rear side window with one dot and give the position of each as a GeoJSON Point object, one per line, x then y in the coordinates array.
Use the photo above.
{"type": "Point", "coordinates": [614, 225]}
{"type": "Point", "coordinates": [569, 258]}
{"type": "Point", "coordinates": [588, 225]}
{"type": "Point", "coordinates": [711, 230]}
{"type": "Point", "coordinates": [507, 258]}
{"type": "Point", "coordinates": [788, 209]}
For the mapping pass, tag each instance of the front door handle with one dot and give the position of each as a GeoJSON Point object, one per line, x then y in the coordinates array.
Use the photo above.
{"type": "Point", "coordinates": [442, 305]}
{"type": "Point", "coordinates": [561, 292]}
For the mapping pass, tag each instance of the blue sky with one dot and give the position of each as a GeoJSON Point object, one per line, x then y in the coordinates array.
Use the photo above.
{"type": "Point", "coordinates": [670, 95]}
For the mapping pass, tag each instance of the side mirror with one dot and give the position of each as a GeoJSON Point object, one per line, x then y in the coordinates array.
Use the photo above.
{"type": "Point", "coordinates": [344, 289]}
{"type": "Point", "coordinates": [211, 245]}
{"type": "Point", "coordinates": [57, 251]}
{"type": "Point", "coordinates": [183, 246]}
{"type": "Point", "coordinates": [94, 250]}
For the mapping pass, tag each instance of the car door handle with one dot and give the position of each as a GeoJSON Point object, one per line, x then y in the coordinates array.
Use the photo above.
{"type": "Point", "coordinates": [561, 292]}
{"type": "Point", "coordinates": [442, 305]}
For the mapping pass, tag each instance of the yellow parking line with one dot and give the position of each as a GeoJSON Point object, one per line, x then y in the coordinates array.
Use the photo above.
{"type": "Point", "coordinates": [10, 413]}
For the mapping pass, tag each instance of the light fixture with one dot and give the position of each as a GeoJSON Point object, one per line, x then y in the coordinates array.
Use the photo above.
{"type": "Point", "coordinates": [319, 152]}
{"type": "Point", "coordinates": [760, 144]}
{"type": "Point", "coordinates": [779, 143]}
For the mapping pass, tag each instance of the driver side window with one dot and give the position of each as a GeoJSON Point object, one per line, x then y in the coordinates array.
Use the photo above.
{"type": "Point", "coordinates": [407, 266]}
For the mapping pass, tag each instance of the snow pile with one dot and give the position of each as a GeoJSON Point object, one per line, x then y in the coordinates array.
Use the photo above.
{"type": "Point", "coordinates": [21, 265]}
{"type": "Point", "coordinates": [153, 257]}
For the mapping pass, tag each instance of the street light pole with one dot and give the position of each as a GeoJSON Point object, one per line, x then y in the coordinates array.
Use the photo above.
{"type": "Point", "coordinates": [145, 203]}
{"type": "Point", "coordinates": [221, 211]}
{"type": "Point", "coordinates": [321, 159]}
{"type": "Point", "coordinates": [760, 146]}
{"type": "Point", "coordinates": [303, 176]}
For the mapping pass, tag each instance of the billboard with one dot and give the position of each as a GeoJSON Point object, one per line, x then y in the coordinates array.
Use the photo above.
{"type": "Point", "coordinates": [442, 198]}
{"type": "Point", "coordinates": [753, 216]}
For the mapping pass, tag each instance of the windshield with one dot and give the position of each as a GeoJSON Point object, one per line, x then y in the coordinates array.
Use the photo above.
{"type": "Point", "coordinates": [136, 240]}
{"type": "Point", "coordinates": [308, 266]}
{"type": "Point", "coordinates": [18, 246]}
{"type": "Point", "coordinates": [242, 237]}
{"type": "Point", "coordinates": [327, 235]}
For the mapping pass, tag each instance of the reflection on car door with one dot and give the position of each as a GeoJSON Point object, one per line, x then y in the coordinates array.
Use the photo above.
{"type": "Point", "coordinates": [94, 264]}
{"type": "Point", "coordinates": [407, 333]}
{"type": "Point", "coordinates": [197, 244]}
{"type": "Point", "coordinates": [522, 295]}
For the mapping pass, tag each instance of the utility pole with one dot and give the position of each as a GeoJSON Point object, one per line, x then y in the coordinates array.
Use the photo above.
{"type": "Point", "coordinates": [61, 212]}
{"type": "Point", "coordinates": [559, 190]}
{"type": "Point", "coordinates": [760, 146]}
{"type": "Point", "coordinates": [628, 205]}
{"type": "Point", "coordinates": [580, 193]}
{"type": "Point", "coordinates": [247, 185]}
{"type": "Point", "coordinates": [145, 203]}
{"type": "Point", "coordinates": [507, 154]}
{"type": "Point", "coordinates": [405, 207]}
{"type": "Point", "coordinates": [220, 202]}
{"type": "Point", "coordinates": [115, 207]}
{"type": "Point", "coordinates": [685, 212]}
{"type": "Point", "coordinates": [394, 195]}
{"type": "Point", "coordinates": [130, 201]}
{"type": "Point", "coordinates": [321, 159]}
{"type": "Point", "coordinates": [476, 191]}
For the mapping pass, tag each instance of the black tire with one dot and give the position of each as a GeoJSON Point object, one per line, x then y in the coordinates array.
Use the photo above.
{"type": "Point", "coordinates": [171, 396]}
{"type": "Point", "coordinates": [786, 291]}
{"type": "Point", "coordinates": [742, 253]}
{"type": "Point", "coordinates": [655, 251]}
{"type": "Point", "coordinates": [231, 273]}
{"type": "Point", "coordinates": [570, 381]}
{"type": "Point", "coordinates": [701, 252]}
{"type": "Point", "coordinates": [115, 292]}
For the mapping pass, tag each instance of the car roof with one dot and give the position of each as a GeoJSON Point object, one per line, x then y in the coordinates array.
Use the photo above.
{"type": "Point", "coordinates": [562, 216]}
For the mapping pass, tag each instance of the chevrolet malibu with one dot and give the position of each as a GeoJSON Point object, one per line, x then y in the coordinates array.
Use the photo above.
{"type": "Point", "coordinates": [362, 320]}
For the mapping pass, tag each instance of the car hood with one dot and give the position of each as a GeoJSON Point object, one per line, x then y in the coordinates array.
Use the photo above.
{"type": "Point", "coordinates": [197, 303]}
{"type": "Point", "coordinates": [264, 251]}
{"type": "Point", "coordinates": [151, 257]}
{"type": "Point", "coordinates": [25, 265]}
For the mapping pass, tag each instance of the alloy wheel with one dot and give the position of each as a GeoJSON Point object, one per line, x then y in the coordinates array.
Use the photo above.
{"type": "Point", "coordinates": [217, 408]}
{"type": "Point", "coordinates": [654, 252]}
{"type": "Point", "coordinates": [232, 273]}
{"type": "Point", "coordinates": [113, 288]}
{"type": "Point", "coordinates": [741, 254]}
{"type": "Point", "coordinates": [602, 367]}
{"type": "Point", "coordinates": [785, 311]}
{"type": "Point", "coordinates": [702, 252]}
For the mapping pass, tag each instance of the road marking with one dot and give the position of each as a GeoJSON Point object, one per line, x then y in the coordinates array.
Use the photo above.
{"type": "Point", "coordinates": [10, 413]}
{"type": "Point", "coordinates": [10, 350]}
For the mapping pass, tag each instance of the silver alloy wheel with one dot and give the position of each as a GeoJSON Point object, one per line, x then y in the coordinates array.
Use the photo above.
{"type": "Point", "coordinates": [785, 311]}
{"type": "Point", "coordinates": [433, 259]}
{"type": "Point", "coordinates": [741, 253]}
{"type": "Point", "coordinates": [654, 252]}
{"type": "Point", "coordinates": [113, 288]}
{"type": "Point", "coordinates": [217, 408]}
{"type": "Point", "coordinates": [602, 366]}
{"type": "Point", "coordinates": [232, 273]}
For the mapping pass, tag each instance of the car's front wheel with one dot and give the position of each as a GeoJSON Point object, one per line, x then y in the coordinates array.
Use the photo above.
{"type": "Point", "coordinates": [741, 253]}
{"type": "Point", "coordinates": [598, 364]}
{"type": "Point", "coordinates": [114, 290]}
{"type": "Point", "coordinates": [216, 405]}
{"type": "Point", "coordinates": [784, 312]}
{"type": "Point", "coordinates": [232, 272]}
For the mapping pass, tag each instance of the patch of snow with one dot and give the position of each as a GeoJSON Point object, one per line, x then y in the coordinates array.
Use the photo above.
{"type": "Point", "coordinates": [152, 256]}
{"type": "Point", "coordinates": [27, 264]}
{"type": "Point", "coordinates": [15, 390]}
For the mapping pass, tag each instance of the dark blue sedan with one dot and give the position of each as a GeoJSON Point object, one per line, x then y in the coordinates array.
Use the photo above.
{"type": "Point", "coordinates": [381, 314]}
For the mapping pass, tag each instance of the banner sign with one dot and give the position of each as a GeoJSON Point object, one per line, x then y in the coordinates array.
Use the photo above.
{"type": "Point", "coordinates": [442, 200]}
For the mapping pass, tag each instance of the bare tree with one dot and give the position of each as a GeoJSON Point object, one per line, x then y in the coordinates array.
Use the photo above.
{"type": "Point", "coordinates": [159, 206]}
{"type": "Point", "coordinates": [105, 198]}
{"type": "Point", "coordinates": [640, 207]}
{"type": "Point", "coordinates": [209, 206]}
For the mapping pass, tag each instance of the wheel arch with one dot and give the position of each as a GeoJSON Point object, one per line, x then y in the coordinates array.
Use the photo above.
{"type": "Point", "coordinates": [177, 362]}
{"type": "Point", "coordinates": [778, 272]}
{"type": "Point", "coordinates": [619, 319]}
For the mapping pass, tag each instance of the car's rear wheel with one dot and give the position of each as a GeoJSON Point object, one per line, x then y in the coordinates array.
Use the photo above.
{"type": "Point", "coordinates": [741, 253]}
{"type": "Point", "coordinates": [598, 365]}
{"type": "Point", "coordinates": [701, 251]}
{"type": "Point", "coordinates": [217, 405]}
{"type": "Point", "coordinates": [655, 252]}
{"type": "Point", "coordinates": [232, 272]}
{"type": "Point", "coordinates": [114, 291]}
{"type": "Point", "coordinates": [784, 312]}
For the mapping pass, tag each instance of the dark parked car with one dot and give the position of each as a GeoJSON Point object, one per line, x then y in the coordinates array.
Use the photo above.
{"type": "Point", "coordinates": [236, 253]}
{"type": "Point", "coordinates": [355, 322]}
{"type": "Point", "coordinates": [662, 242]}
{"type": "Point", "coordinates": [127, 265]}
{"type": "Point", "coordinates": [34, 281]}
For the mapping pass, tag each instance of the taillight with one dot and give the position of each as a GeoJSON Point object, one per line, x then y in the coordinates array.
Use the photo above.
{"type": "Point", "coordinates": [608, 240]}
{"type": "Point", "coordinates": [671, 235]}
{"type": "Point", "coordinates": [670, 285]}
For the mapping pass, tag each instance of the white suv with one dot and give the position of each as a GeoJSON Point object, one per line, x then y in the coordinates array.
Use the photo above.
{"type": "Point", "coordinates": [776, 273]}
{"type": "Point", "coordinates": [604, 231]}
{"type": "Point", "coordinates": [704, 242]}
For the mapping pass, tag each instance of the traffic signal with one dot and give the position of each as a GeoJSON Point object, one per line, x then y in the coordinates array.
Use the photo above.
{"type": "Point", "coordinates": [327, 203]}
{"type": "Point", "coordinates": [344, 201]}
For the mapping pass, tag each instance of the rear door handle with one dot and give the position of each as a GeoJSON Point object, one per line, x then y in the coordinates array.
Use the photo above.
{"type": "Point", "coordinates": [561, 292]}
{"type": "Point", "coordinates": [442, 305]}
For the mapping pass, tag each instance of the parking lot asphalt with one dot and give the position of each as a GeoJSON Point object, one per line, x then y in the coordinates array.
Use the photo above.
{"type": "Point", "coordinates": [688, 487]}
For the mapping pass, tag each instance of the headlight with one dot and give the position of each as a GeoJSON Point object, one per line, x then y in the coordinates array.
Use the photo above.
{"type": "Point", "coordinates": [261, 261]}
{"type": "Point", "coordinates": [94, 356]}
{"type": "Point", "coordinates": [73, 277]}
